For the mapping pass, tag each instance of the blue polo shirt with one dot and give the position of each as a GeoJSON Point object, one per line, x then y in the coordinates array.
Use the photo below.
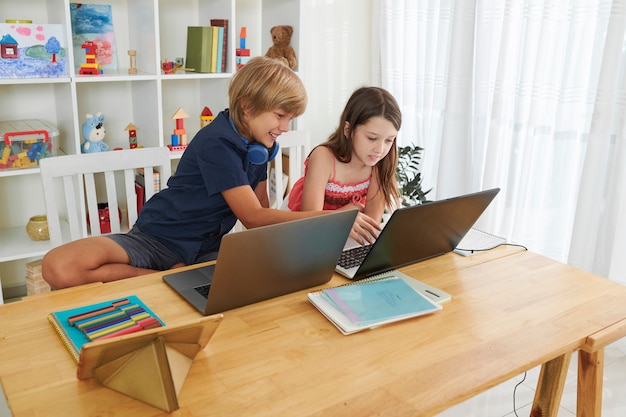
{"type": "Point", "coordinates": [191, 216]}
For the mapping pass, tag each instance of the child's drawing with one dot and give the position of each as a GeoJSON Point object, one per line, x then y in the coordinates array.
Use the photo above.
{"type": "Point", "coordinates": [93, 22]}
{"type": "Point", "coordinates": [32, 50]}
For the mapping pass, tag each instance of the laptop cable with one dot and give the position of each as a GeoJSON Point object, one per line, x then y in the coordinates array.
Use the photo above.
{"type": "Point", "coordinates": [514, 391]}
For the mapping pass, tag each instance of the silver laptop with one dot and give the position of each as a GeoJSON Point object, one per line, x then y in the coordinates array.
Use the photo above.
{"type": "Point", "coordinates": [413, 234]}
{"type": "Point", "coordinates": [266, 262]}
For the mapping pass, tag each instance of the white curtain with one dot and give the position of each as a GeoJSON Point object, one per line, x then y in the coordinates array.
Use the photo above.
{"type": "Point", "coordinates": [525, 95]}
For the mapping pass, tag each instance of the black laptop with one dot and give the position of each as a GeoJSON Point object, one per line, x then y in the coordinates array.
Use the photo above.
{"type": "Point", "coordinates": [266, 262]}
{"type": "Point", "coordinates": [416, 233]}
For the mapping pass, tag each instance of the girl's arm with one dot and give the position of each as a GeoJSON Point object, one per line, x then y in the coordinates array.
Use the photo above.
{"type": "Point", "coordinates": [368, 223]}
{"type": "Point", "coordinates": [375, 202]}
{"type": "Point", "coordinates": [319, 172]}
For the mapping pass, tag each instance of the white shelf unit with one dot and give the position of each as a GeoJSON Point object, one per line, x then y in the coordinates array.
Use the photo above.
{"type": "Point", "coordinates": [157, 30]}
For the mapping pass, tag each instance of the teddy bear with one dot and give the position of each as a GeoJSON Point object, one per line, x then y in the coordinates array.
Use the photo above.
{"type": "Point", "coordinates": [281, 36]}
{"type": "Point", "coordinates": [93, 132]}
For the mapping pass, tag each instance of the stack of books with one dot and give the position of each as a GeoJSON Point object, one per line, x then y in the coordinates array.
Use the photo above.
{"type": "Point", "coordinates": [375, 301]}
{"type": "Point", "coordinates": [35, 283]}
{"type": "Point", "coordinates": [140, 186]}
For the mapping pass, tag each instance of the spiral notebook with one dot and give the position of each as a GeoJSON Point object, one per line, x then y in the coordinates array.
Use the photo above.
{"type": "Point", "coordinates": [81, 325]}
{"type": "Point", "coordinates": [375, 301]}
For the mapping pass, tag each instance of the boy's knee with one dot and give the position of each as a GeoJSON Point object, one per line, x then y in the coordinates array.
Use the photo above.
{"type": "Point", "coordinates": [52, 270]}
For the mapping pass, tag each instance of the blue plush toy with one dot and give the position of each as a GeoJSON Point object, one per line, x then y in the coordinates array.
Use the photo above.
{"type": "Point", "coordinates": [93, 134]}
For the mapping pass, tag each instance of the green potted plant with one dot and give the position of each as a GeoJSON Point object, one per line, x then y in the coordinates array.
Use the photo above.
{"type": "Point", "coordinates": [409, 176]}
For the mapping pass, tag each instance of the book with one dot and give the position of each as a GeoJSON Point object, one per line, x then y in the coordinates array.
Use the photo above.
{"type": "Point", "coordinates": [140, 192]}
{"type": "Point", "coordinates": [214, 47]}
{"type": "Point", "coordinates": [222, 23]}
{"type": "Point", "coordinates": [199, 47]}
{"type": "Point", "coordinates": [476, 241]}
{"type": "Point", "coordinates": [435, 294]}
{"type": "Point", "coordinates": [373, 302]}
{"type": "Point", "coordinates": [220, 46]}
{"type": "Point", "coordinates": [156, 179]}
{"type": "Point", "coordinates": [78, 326]}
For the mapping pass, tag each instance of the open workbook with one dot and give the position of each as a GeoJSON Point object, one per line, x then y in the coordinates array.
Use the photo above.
{"type": "Point", "coordinates": [372, 302]}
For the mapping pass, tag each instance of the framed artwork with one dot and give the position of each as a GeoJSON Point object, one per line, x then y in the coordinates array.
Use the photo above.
{"type": "Point", "coordinates": [93, 23]}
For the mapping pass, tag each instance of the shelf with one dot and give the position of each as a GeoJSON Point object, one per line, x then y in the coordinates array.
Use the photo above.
{"type": "Point", "coordinates": [193, 75]}
{"type": "Point", "coordinates": [42, 80]}
{"type": "Point", "coordinates": [18, 172]}
{"type": "Point", "coordinates": [15, 244]}
{"type": "Point", "coordinates": [114, 77]}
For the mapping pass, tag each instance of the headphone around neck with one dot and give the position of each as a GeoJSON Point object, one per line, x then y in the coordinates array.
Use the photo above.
{"type": "Point", "coordinates": [257, 154]}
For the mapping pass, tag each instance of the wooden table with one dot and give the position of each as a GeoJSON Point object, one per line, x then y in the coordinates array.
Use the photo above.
{"type": "Point", "coordinates": [511, 310]}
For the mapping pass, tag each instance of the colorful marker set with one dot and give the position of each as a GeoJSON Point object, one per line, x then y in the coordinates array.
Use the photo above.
{"type": "Point", "coordinates": [119, 318]}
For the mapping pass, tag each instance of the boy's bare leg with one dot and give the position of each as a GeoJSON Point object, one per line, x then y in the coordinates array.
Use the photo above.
{"type": "Point", "coordinates": [92, 259]}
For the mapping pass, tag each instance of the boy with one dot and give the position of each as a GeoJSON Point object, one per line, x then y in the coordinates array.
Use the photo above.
{"type": "Point", "coordinates": [221, 177]}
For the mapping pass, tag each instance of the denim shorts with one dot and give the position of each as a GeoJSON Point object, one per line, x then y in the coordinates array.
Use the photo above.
{"type": "Point", "coordinates": [147, 252]}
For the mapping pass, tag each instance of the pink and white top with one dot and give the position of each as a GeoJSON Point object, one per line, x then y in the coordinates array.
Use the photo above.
{"type": "Point", "coordinates": [336, 195]}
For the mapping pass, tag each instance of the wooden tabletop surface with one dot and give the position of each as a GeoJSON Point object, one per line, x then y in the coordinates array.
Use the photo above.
{"type": "Point", "coordinates": [511, 310]}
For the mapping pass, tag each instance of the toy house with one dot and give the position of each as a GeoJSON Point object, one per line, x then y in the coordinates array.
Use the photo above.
{"type": "Point", "coordinates": [206, 117]}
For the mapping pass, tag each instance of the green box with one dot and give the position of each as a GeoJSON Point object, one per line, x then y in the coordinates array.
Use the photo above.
{"type": "Point", "coordinates": [199, 45]}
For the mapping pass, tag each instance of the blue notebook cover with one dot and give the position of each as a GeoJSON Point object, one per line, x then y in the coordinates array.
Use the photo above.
{"type": "Point", "coordinates": [378, 300]}
{"type": "Point", "coordinates": [72, 337]}
{"type": "Point", "coordinates": [372, 302]}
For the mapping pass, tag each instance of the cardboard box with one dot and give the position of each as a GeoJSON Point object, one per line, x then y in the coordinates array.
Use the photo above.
{"type": "Point", "coordinates": [24, 142]}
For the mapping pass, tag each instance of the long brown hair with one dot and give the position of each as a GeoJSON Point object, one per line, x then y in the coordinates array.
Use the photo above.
{"type": "Point", "coordinates": [365, 103]}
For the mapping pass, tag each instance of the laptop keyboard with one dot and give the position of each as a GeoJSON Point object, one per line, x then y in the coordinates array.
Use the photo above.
{"type": "Point", "coordinates": [203, 290]}
{"type": "Point", "coordinates": [353, 257]}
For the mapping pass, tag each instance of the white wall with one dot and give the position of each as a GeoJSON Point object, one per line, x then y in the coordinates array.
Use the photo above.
{"type": "Point", "coordinates": [334, 59]}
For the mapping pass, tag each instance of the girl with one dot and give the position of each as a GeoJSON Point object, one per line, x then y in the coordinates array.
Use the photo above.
{"type": "Point", "coordinates": [356, 166]}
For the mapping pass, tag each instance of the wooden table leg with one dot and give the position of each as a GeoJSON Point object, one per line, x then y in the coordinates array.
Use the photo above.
{"type": "Point", "coordinates": [591, 369]}
{"type": "Point", "coordinates": [590, 372]}
{"type": "Point", "coordinates": [550, 387]}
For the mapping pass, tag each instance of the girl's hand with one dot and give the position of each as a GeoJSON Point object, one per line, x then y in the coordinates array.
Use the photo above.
{"type": "Point", "coordinates": [365, 229]}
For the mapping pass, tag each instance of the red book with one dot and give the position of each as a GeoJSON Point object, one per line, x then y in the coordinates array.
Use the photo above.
{"type": "Point", "coordinates": [141, 196]}
{"type": "Point", "coordinates": [222, 23]}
